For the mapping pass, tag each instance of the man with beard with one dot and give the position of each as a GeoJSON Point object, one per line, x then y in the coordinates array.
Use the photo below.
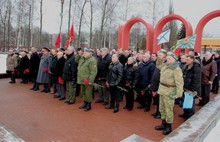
{"type": "Point", "coordinates": [209, 71]}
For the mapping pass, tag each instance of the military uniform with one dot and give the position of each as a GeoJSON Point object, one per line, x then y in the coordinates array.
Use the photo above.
{"type": "Point", "coordinates": [171, 84]}
{"type": "Point", "coordinates": [87, 70]}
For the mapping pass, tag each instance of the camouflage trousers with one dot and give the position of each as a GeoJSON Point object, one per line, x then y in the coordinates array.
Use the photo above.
{"type": "Point", "coordinates": [87, 92]}
{"type": "Point", "coordinates": [166, 108]}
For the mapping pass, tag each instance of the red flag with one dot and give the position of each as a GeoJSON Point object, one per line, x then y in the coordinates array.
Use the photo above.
{"type": "Point", "coordinates": [71, 34]}
{"type": "Point", "coordinates": [57, 43]}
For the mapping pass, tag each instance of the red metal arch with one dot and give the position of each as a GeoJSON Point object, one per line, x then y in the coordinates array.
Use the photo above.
{"type": "Point", "coordinates": [124, 33]}
{"type": "Point", "coordinates": [200, 27]}
{"type": "Point", "coordinates": [166, 19]}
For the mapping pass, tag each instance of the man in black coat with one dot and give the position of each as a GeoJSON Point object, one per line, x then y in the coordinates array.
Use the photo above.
{"type": "Point", "coordinates": [24, 67]}
{"type": "Point", "coordinates": [192, 82]}
{"type": "Point", "coordinates": [52, 70]}
{"type": "Point", "coordinates": [70, 75]}
{"type": "Point", "coordinates": [215, 84]}
{"type": "Point", "coordinates": [58, 73]}
{"type": "Point", "coordinates": [34, 66]}
{"type": "Point", "coordinates": [114, 78]}
{"type": "Point", "coordinates": [103, 63]}
{"type": "Point", "coordinates": [155, 81]}
{"type": "Point", "coordinates": [130, 77]}
{"type": "Point", "coordinates": [146, 70]}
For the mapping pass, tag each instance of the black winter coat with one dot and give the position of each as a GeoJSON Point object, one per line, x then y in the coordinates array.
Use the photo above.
{"type": "Point", "coordinates": [70, 69]}
{"type": "Point", "coordinates": [217, 60]}
{"type": "Point", "coordinates": [34, 64]}
{"type": "Point", "coordinates": [131, 74]}
{"type": "Point", "coordinates": [59, 69]}
{"type": "Point", "coordinates": [53, 64]}
{"type": "Point", "coordinates": [192, 78]}
{"type": "Point", "coordinates": [146, 71]}
{"type": "Point", "coordinates": [115, 74]}
{"type": "Point", "coordinates": [155, 80]}
{"type": "Point", "coordinates": [103, 64]}
{"type": "Point", "coordinates": [24, 64]}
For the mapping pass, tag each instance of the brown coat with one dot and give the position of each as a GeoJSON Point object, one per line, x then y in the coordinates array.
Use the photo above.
{"type": "Point", "coordinates": [209, 71]}
{"type": "Point", "coordinates": [12, 62]}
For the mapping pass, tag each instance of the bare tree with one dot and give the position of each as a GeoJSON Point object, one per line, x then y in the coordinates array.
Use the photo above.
{"type": "Point", "coordinates": [41, 22]}
{"type": "Point", "coordinates": [80, 23]}
{"type": "Point", "coordinates": [61, 19]}
{"type": "Point", "coordinates": [91, 21]}
{"type": "Point", "coordinates": [69, 20]}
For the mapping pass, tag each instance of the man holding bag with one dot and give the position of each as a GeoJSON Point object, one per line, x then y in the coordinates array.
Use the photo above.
{"type": "Point", "coordinates": [192, 83]}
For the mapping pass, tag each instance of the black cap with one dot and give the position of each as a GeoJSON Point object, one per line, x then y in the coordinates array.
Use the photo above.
{"type": "Point", "coordinates": [46, 49]}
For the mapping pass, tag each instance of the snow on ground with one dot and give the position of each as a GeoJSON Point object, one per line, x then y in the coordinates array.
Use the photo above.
{"type": "Point", "coordinates": [3, 63]}
{"type": "Point", "coordinates": [6, 136]}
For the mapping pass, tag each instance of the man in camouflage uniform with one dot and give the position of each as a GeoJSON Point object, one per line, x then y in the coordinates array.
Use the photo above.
{"type": "Point", "coordinates": [87, 70]}
{"type": "Point", "coordinates": [170, 88]}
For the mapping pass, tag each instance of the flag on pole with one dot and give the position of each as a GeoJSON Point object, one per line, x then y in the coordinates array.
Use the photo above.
{"type": "Point", "coordinates": [163, 37]}
{"type": "Point", "coordinates": [186, 43]}
{"type": "Point", "coordinates": [57, 43]}
{"type": "Point", "coordinates": [71, 37]}
{"type": "Point", "coordinates": [71, 34]}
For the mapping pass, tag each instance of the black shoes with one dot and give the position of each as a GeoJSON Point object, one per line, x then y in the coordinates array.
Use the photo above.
{"type": "Point", "coordinates": [99, 101]}
{"type": "Point", "coordinates": [12, 82]}
{"type": "Point", "coordinates": [162, 126]}
{"type": "Point", "coordinates": [125, 107]}
{"type": "Point", "coordinates": [168, 129]}
{"type": "Point", "coordinates": [147, 109]}
{"type": "Point", "coordinates": [88, 107]}
{"type": "Point", "coordinates": [140, 107]}
{"type": "Point", "coordinates": [83, 106]}
{"type": "Point", "coordinates": [62, 99]}
{"type": "Point", "coordinates": [105, 103]}
{"type": "Point", "coordinates": [115, 110]}
{"type": "Point", "coordinates": [109, 107]}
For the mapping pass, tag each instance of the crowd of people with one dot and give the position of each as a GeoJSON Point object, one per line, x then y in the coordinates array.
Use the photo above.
{"type": "Point", "coordinates": [160, 78]}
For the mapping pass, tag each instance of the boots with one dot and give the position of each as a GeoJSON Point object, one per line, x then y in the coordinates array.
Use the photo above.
{"type": "Point", "coordinates": [116, 109]}
{"type": "Point", "coordinates": [168, 129]}
{"type": "Point", "coordinates": [162, 126]}
{"type": "Point", "coordinates": [88, 106]}
{"type": "Point", "coordinates": [83, 106]}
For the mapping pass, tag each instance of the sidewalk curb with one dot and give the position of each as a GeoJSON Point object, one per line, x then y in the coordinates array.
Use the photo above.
{"type": "Point", "coordinates": [196, 128]}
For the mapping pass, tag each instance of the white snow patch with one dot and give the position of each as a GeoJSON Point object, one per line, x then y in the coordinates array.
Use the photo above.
{"type": "Point", "coordinates": [6, 136]}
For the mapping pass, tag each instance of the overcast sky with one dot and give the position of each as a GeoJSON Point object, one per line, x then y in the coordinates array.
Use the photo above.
{"type": "Point", "coordinates": [193, 10]}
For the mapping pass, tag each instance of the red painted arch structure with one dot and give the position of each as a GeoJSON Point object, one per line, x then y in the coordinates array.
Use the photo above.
{"type": "Point", "coordinates": [151, 33]}
{"type": "Point", "coordinates": [200, 27]}
{"type": "Point", "coordinates": [124, 33]}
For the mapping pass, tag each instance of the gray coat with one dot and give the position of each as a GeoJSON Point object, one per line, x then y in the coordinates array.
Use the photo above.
{"type": "Point", "coordinates": [42, 76]}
